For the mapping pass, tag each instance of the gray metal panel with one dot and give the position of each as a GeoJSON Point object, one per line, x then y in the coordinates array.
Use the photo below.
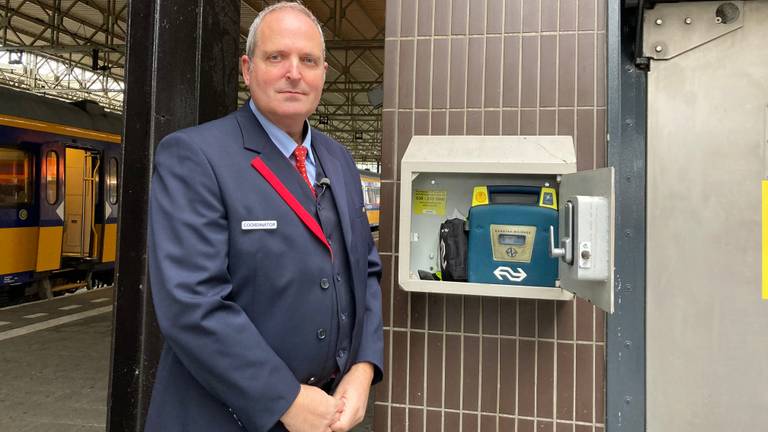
{"type": "Point", "coordinates": [625, 338]}
{"type": "Point", "coordinates": [706, 335]}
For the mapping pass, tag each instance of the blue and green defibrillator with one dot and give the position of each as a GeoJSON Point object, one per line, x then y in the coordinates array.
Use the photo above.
{"type": "Point", "coordinates": [509, 230]}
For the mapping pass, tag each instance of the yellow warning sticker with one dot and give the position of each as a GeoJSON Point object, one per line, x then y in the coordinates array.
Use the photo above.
{"type": "Point", "coordinates": [765, 239]}
{"type": "Point", "coordinates": [429, 202]}
{"type": "Point", "coordinates": [480, 196]}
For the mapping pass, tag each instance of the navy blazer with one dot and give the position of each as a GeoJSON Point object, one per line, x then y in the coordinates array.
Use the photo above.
{"type": "Point", "coordinates": [240, 308]}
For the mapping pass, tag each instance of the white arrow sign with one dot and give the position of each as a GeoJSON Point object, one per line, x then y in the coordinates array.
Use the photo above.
{"type": "Point", "coordinates": [60, 210]}
{"type": "Point", "coordinates": [502, 272]}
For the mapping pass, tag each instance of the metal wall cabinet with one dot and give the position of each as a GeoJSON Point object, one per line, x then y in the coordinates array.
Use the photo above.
{"type": "Point", "coordinates": [447, 168]}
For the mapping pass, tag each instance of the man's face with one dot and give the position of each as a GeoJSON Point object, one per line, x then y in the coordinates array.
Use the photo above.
{"type": "Point", "coordinates": [287, 71]}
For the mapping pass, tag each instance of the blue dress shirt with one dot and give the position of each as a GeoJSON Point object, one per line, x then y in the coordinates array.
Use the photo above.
{"type": "Point", "coordinates": [285, 143]}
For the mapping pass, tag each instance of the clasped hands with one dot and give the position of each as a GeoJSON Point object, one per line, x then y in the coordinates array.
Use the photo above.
{"type": "Point", "coordinates": [314, 410]}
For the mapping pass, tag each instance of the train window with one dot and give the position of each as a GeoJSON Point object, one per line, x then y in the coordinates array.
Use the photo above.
{"type": "Point", "coordinates": [15, 177]}
{"type": "Point", "coordinates": [112, 181]}
{"type": "Point", "coordinates": [51, 177]}
{"type": "Point", "coordinates": [373, 195]}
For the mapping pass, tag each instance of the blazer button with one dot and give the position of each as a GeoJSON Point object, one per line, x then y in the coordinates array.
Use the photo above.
{"type": "Point", "coordinates": [324, 284]}
{"type": "Point", "coordinates": [321, 334]}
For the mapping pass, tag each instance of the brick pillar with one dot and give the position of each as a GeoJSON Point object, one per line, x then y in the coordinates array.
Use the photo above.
{"type": "Point", "coordinates": [489, 67]}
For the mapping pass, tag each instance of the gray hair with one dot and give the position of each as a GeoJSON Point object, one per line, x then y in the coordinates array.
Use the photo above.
{"type": "Point", "coordinates": [250, 47]}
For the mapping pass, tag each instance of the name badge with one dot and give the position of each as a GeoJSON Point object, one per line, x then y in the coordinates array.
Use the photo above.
{"type": "Point", "coordinates": [258, 225]}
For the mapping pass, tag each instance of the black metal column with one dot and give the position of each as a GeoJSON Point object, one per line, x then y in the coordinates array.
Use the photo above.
{"type": "Point", "coordinates": [182, 69]}
{"type": "Point", "coordinates": [625, 362]}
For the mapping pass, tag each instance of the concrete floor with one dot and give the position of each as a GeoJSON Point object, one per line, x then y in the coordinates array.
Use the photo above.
{"type": "Point", "coordinates": [55, 378]}
{"type": "Point", "coordinates": [54, 364]}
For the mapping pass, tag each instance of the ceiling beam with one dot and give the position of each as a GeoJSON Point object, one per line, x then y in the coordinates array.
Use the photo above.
{"type": "Point", "coordinates": [60, 49]}
{"type": "Point", "coordinates": [47, 9]}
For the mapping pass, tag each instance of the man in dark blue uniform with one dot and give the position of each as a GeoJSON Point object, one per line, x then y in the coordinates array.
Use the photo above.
{"type": "Point", "coordinates": [264, 274]}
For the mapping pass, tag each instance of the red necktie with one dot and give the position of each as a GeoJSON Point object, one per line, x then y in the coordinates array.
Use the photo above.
{"type": "Point", "coordinates": [300, 153]}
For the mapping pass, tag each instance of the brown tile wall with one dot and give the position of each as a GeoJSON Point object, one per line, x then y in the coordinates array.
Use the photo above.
{"type": "Point", "coordinates": [513, 67]}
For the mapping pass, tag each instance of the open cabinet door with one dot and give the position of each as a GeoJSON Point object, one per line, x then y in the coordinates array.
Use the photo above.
{"type": "Point", "coordinates": [586, 234]}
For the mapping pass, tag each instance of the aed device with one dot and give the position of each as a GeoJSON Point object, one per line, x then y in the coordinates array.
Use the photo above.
{"type": "Point", "coordinates": [550, 238]}
{"type": "Point", "coordinates": [510, 230]}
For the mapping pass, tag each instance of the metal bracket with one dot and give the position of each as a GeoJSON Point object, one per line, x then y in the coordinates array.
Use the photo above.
{"type": "Point", "coordinates": [670, 29]}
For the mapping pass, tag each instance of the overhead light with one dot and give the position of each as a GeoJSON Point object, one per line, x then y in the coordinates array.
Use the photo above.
{"type": "Point", "coordinates": [358, 135]}
{"type": "Point", "coordinates": [323, 120]}
{"type": "Point", "coordinates": [15, 57]}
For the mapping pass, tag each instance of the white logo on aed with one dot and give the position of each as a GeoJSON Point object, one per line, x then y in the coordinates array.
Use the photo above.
{"type": "Point", "coordinates": [502, 272]}
{"type": "Point", "coordinates": [258, 225]}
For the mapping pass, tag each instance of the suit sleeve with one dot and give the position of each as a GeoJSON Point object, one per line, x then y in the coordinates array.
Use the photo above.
{"type": "Point", "coordinates": [191, 286]}
{"type": "Point", "coordinates": [372, 343]}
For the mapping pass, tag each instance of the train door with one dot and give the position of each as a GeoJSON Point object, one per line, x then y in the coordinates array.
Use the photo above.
{"type": "Point", "coordinates": [81, 232]}
{"type": "Point", "coordinates": [110, 202]}
{"type": "Point", "coordinates": [51, 199]}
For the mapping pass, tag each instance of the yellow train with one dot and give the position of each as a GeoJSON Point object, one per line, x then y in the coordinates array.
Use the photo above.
{"type": "Point", "coordinates": [59, 171]}
{"type": "Point", "coordinates": [371, 183]}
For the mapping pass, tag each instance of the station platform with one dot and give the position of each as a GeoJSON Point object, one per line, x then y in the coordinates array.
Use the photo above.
{"type": "Point", "coordinates": [54, 363]}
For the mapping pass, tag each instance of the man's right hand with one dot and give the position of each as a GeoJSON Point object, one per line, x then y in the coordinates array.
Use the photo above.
{"type": "Point", "coordinates": [313, 410]}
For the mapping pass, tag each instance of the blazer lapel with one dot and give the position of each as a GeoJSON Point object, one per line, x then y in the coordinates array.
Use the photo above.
{"type": "Point", "coordinates": [339, 187]}
{"type": "Point", "coordinates": [256, 139]}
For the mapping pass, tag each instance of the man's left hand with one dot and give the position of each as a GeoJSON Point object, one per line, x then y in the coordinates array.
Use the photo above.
{"type": "Point", "coordinates": [353, 390]}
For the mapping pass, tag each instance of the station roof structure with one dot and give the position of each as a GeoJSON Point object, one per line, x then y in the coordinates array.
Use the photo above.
{"type": "Point", "coordinates": [75, 49]}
